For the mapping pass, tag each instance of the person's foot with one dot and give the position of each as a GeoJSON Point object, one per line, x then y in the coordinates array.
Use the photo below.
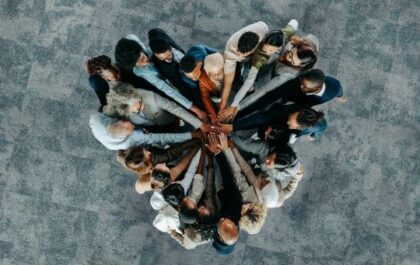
{"type": "Point", "coordinates": [292, 138]}
{"type": "Point", "coordinates": [294, 24]}
{"type": "Point", "coordinates": [101, 109]}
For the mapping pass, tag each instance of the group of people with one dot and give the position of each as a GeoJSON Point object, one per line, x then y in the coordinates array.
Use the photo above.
{"type": "Point", "coordinates": [209, 132]}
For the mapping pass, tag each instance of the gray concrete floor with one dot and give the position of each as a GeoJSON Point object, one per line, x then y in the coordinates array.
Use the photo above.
{"type": "Point", "coordinates": [64, 200]}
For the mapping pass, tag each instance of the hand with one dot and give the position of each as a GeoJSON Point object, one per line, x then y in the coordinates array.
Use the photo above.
{"type": "Point", "coordinates": [173, 233]}
{"type": "Point", "coordinates": [227, 115]}
{"type": "Point", "coordinates": [200, 114]}
{"type": "Point", "coordinates": [198, 134]}
{"type": "Point", "coordinates": [205, 128]}
{"type": "Point", "coordinates": [213, 119]}
{"type": "Point", "coordinates": [342, 99]}
{"type": "Point", "coordinates": [225, 128]}
{"type": "Point", "coordinates": [267, 132]}
{"type": "Point", "coordinates": [223, 142]}
{"type": "Point", "coordinates": [213, 143]}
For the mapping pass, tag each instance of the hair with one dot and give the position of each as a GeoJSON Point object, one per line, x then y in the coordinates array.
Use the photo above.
{"type": "Point", "coordinates": [309, 117]}
{"type": "Point", "coordinates": [173, 194]}
{"type": "Point", "coordinates": [187, 64]}
{"type": "Point", "coordinates": [114, 127]}
{"type": "Point", "coordinates": [159, 46]}
{"type": "Point", "coordinates": [306, 51]}
{"type": "Point", "coordinates": [205, 230]}
{"type": "Point", "coordinates": [127, 52]}
{"type": "Point", "coordinates": [162, 176]}
{"type": "Point", "coordinates": [285, 156]}
{"type": "Point", "coordinates": [315, 76]}
{"type": "Point", "coordinates": [253, 219]}
{"type": "Point", "coordinates": [274, 38]}
{"type": "Point", "coordinates": [96, 64]}
{"type": "Point", "coordinates": [119, 98]}
{"type": "Point", "coordinates": [248, 41]}
{"type": "Point", "coordinates": [134, 156]}
{"type": "Point", "coordinates": [187, 215]}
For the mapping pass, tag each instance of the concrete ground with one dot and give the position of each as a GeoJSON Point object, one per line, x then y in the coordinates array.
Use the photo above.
{"type": "Point", "coordinates": [64, 200]}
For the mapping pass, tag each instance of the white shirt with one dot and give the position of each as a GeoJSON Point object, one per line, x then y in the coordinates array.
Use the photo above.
{"type": "Point", "coordinates": [319, 94]}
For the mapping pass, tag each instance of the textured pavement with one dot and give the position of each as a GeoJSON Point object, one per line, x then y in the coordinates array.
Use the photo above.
{"type": "Point", "coordinates": [64, 200]}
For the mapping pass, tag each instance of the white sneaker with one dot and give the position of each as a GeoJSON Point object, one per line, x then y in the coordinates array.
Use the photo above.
{"type": "Point", "coordinates": [294, 24]}
{"type": "Point", "coordinates": [293, 138]}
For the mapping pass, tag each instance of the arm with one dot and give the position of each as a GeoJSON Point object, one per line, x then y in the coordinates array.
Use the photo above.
{"type": "Point", "coordinates": [166, 88]}
{"type": "Point", "coordinates": [290, 188]}
{"type": "Point", "coordinates": [230, 67]}
{"type": "Point", "coordinates": [172, 153]}
{"type": "Point", "coordinates": [245, 168]}
{"type": "Point", "coordinates": [249, 82]}
{"type": "Point", "coordinates": [210, 201]}
{"type": "Point", "coordinates": [240, 180]}
{"type": "Point", "coordinates": [253, 121]}
{"type": "Point", "coordinates": [189, 175]}
{"type": "Point", "coordinates": [271, 85]}
{"type": "Point", "coordinates": [315, 131]}
{"type": "Point", "coordinates": [205, 98]}
{"type": "Point", "coordinates": [197, 187]}
{"type": "Point", "coordinates": [177, 110]}
{"type": "Point", "coordinates": [183, 164]}
{"type": "Point", "coordinates": [139, 138]}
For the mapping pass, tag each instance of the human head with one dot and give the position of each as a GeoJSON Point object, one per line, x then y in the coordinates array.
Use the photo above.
{"type": "Point", "coordinates": [161, 50]}
{"type": "Point", "coordinates": [303, 54]}
{"type": "Point", "coordinates": [305, 118]}
{"type": "Point", "coordinates": [173, 194]}
{"type": "Point", "coordinates": [188, 211]}
{"type": "Point", "coordinates": [272, 41]}
{"type": "Point", "coordinates": [312, 81]}
{"type": "Point", "coordinates": [102, 66]}
{"type": "Point", "coordinates": [253, 217]}
{"type": "Point", "coordinates": [247, 42]}
{"type": "Point", "coordinates": [123, 100]}
{"type": "Point", "coordinates": [161, 176]}
{"type": "Point", "coordinates": [281, 157]}
{"type": "Point", "coordinates": [120, 128]}
{"type": "Point", "coordinates": [191, 67]}
{"type": "Point", "coordinates": [139, 159]}
{"type": "Point", "coordinates": [129, 53]}
{"type": "Point", "coordinates": [228, 231]}
{"type": "Point", "coordinates": [143, 184]}
{"type": "Point", "coordinates": [214, 66]}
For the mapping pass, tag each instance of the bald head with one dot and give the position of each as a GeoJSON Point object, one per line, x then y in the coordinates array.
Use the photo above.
{"type": "Point", "coordinates": [228, 231]}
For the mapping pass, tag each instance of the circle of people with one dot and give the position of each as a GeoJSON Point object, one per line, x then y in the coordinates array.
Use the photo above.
{"type": "Point", "coordinates": [210, 133]}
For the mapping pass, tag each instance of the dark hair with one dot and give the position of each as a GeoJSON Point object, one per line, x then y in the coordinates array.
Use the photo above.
{"type": "Point", "coordinates": [205, 230]}
{"type": "Point", "coordinates": [134, 156]}
{"type": "Point", "coordinates": [315, 76]}
{"type": "Point", "coordinates": [309, 117]}
{"type": "Point", "coordinates": [127, 52]}
{"type": "Point", "coordinates": [248, 41]}
{"type": "Point", "coordinates": [159, 46]}
{"type": "Point", "coordinates": [96, 64]}
{"type": "Point", "coordinates": [162, 176]}
{"type": "Point", "coordinates": [187, 64]}
{"type": "Point", "coordinates": [187, 215]}
{"type": "Point", "coordinates": [306, 51]}
{"type": "Point", "coordinates": [285, 156]}
{"type": "Point", "coordinates": [274, 38]}
{"type": "Point", "coordinates": [173, 194]}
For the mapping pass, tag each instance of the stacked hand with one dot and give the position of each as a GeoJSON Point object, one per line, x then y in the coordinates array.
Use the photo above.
{"type": "Point", "coordinates": [217, 142]}
{"type": "Point", "coordinates": [227, 115]}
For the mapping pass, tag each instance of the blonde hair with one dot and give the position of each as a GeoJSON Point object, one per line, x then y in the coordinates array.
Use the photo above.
{"type": "Point", "coordinates": [253, 219]}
